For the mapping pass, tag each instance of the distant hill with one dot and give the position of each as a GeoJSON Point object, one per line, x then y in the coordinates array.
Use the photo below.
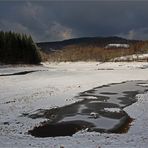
{"type": "Point", "coordinates": [91, 49]}
{"type": "Point", "coordinates": [87, 41]}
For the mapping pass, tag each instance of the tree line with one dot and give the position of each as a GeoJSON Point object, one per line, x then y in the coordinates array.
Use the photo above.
{"type": "Point", "coordinates": [91, 52]}
{"type": "Point", "coordinates": [16, 48]}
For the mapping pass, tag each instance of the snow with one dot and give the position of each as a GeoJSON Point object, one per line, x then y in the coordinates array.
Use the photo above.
{"type": "Point", "coordinates": [146, 85]}
{"type": "Point", "coordinates": [133, 57]}
{"type": "Point", "coordinates": [56, 85]}
{"type": "Point", "coordinates": [117, 45]}
{"type": "Point", "coordinates": [112, 110]}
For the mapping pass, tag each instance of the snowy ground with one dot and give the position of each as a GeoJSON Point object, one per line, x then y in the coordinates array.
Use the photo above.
{"type": "Point", "coordinates": [56, 85]}
{"type": "Point", "coordinates": [134, 57]}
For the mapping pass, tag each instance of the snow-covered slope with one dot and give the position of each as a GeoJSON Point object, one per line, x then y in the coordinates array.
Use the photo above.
{"type": "Point", "coordinates": [134, 57]}
{"type": "Point", "coordinates": [117, 46]}
{"type": "Point", "coordinates": [56, 85]}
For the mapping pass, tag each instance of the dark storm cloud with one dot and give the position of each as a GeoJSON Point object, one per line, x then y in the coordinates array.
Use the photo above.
{"type": "Point", "coordinates": [58, 20]}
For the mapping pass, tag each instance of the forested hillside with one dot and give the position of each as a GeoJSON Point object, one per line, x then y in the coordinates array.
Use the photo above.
{"type": "Point", "coordinates": [18, 48]}
{"type": "Point", "coordinates": [91, 49]}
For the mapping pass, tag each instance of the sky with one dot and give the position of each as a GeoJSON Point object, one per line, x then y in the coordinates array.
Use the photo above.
{"type": "Point", "coordinates": [55, 20]}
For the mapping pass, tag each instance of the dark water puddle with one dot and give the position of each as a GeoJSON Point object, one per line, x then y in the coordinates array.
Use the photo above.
{"type": "Point", "coordinates": [20, 73]}
{"type": "Point", "coordinates": [59, 129]}
{"type": "Point", "coordinates": [99, 109]}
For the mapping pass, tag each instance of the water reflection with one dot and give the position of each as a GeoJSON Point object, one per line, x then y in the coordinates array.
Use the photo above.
{"type": "Point", "coordinates": [99, 109]}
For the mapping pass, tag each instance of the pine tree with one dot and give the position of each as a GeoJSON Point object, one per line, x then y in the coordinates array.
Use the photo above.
{"type": "Point", "coordinates": [18, 48]}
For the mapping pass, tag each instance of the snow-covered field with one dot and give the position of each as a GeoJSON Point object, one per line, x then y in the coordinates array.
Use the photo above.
{"type": "Point", "coordinates": [134, 57]}
{"type": "Point", "coordinates": [56, 84]}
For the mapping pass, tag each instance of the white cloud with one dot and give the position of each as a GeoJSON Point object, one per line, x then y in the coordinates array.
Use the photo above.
{"type": "Point", "coordinates": [141, 33]}
{"type": "Point", "coordinates": [59, 32]}
{"type": "Point", "coordinates": [52, 32]}
{"type": "Point", "coordinates": [13, 26]}
{"type": "Point", "coordinates": [45, 31]}
{"type": "Point", "coordinates": [32, 10]}
{"type": "Point", "coordinates": [16, 27]}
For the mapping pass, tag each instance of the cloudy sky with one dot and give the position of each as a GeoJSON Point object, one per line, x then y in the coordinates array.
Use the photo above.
{"type": "Point", "coordinates": [59, 20]}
